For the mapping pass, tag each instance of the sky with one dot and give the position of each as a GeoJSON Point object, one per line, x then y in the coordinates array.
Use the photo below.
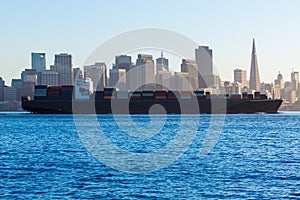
{"type": "Point", "coordinates": [227, 27]}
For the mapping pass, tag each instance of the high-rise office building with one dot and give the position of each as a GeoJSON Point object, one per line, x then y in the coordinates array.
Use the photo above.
{"type": "Point", "coordinates": [182, 81]}
{"type": "Point", "coordinates": [29, 75]}
{"type": "Point", "coordinates": [63, 65]}
{"type": "Point", "coordinates": [279, 81]}
{"type": "Point", "coordinates": [17, 83]}
{"type": "Point", "coordinates": [240, 76]}
{"type": "Point", "coordinates": [77, 73]}
{"type": "Point", "coordinates": [124, 62]}
{"type": "Point", "coordinates": [295, 80]}
{"type": "Point", "coordinates": [38, 61]}
{"type": "Point", "coordinates": [2, 85]}
{"type": "Point", "coordinates": [191, 67]}
{"type": "Point", "coordinates": [162, 79]}
{"type": "Point", "coordinates": [50, 78]}
{"type": "Point", "coordinates": [143, 73]}
{"type": "Point", "coordinates": [203, 57]}
{"type": "Point", "coordinates": [97, 73]}
{"type": "Point", "coordinates": [117, 78]}
{"type": "Point", "coordinates": [254, 83]}
{"type": "Point", "coordinates": [28, 89]}
{"type": "Point", "coordinates": [10, 94]}
{"type": "Point", "coordinates": [162, 64]}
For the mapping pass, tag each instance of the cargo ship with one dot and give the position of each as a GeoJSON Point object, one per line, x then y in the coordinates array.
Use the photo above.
{"type": "Point", "coordinates": [83, 100]}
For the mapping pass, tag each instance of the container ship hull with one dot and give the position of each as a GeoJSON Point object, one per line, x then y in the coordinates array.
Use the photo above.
{"type": "Point", "coordinates": [83, 100]}
{"type": "Point", "coordinates": [154, 106]}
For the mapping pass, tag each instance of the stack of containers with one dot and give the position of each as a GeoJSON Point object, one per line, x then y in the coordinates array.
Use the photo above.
{"type": "Point", "coordinates": [256, 95]}
{"type": "Point", "coordinates": [263, 96]}
{"type": "Point", "coordinates": [66, 92]}
{"type": "Point", "coordinates": [53, 92]}
{"type": "Point", "coordinates": [40, 92]}
{"type": "Point", "coordinates": [109, 93]}
{"type": "Point", "coordinates": [235, 96]}
{"type": "Point", "coordinates": [173, 94]}
{"type": "Point", "coordinates": [160, 94]}
{"type": "Point", "coordinates": [99, 95]}
{"type": "Point", "coordinates": [148, 94]}
{"type": "Point", "coordinates": [136, 95]}
{"type": "Point", "coordinates": [250, 96]}
{"type": "Point", "coordinates": [244, 95]}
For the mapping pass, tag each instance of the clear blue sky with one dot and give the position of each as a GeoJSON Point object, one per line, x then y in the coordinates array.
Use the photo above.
{"type": "Point", "coordinates": [78, 27]}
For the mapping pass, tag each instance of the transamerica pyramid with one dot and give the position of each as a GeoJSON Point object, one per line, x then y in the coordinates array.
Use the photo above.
{"type": "Point", "coordinates": [254, 83]}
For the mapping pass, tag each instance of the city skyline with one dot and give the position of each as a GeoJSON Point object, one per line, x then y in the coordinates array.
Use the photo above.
{"type": "Point", "coordinates": [220, 25]}
{"type": "Point", "coordinates": [70, 62]}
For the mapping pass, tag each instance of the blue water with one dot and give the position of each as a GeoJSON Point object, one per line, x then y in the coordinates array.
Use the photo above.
{"type": "Point", "coordinates": [255, 156]}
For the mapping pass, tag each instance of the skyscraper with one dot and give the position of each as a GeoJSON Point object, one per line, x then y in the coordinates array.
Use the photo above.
{"type": "Point", "coordinates": [77, 73]}
{"type": "Point", "coordinates": [162, 64]}
{"type": "Point", "coordinates": [63, 65]}
{"type": "Point", "coordinates": [143, 73]}
{"type": "Point", "coordinates": [162, 79]}
{"type": "Point", "coordinates": [295, 80]}
{"type": "Point", "coordinates": [254, 83]}
{"type": "Point", "coordinates": [17, 83]}
{"type": "Point", "coordinates": [117, 78]}
{"type": "Point", "coordinates": [2, 85]}
{"type": "Point", "coordinates": [124, 62]}
{"type": "Point", "coordinates": [97, 73]}
{"type": "Point", "coordinates": [240, 76]}
{"type": "Point", "coordinates": [50, 78]}
{"type": "Point", "coordinates": [38, 61]}
{"type": "Point", "coordinates": [279, 81]}
{"type": "Point", "coordinates": [29, 75]}
{"type": "Point", "coordinates": [190, 67]}
{"type": "Point", "coordinates": [205, 66]}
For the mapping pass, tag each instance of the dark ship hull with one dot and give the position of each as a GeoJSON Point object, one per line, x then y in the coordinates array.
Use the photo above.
{"type": "Point", "coordinates": [154, 106]}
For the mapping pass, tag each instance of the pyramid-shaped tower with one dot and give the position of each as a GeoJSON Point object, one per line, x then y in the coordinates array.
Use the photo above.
{"type": "Point", "coordinates": [254, 83]}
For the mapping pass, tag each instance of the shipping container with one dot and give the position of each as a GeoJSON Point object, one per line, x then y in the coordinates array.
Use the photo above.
{"type": "Point", "coordinates": [41, 87]}
{"type": "Point", "coordinates": [99, 95]}
{"type": "Point", "coordinates": [256, 95]}
{"type": "Point", "coordinates": [250, 96]}
{"type": "Point", "coordinates": [53, 91]}
{"type": "Point", "coordinates": [235, 96]}
{"type": "Point", "coordinates": [263, 96]}
{"type": "Point", "coordinates": [244, 95]}
{"type": "Point", "coordinates": [109, 97]}
{"type": "Point", "coordinates": [160, 94]}
{"type": "Point", "coordinates": [136, 95]}
{"type": "Point", "coordinates": [148, 94]}
{"type": "Point", "coordinates": [173, 94]}
{"type": "Point", "coordinates": [40, 92]}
